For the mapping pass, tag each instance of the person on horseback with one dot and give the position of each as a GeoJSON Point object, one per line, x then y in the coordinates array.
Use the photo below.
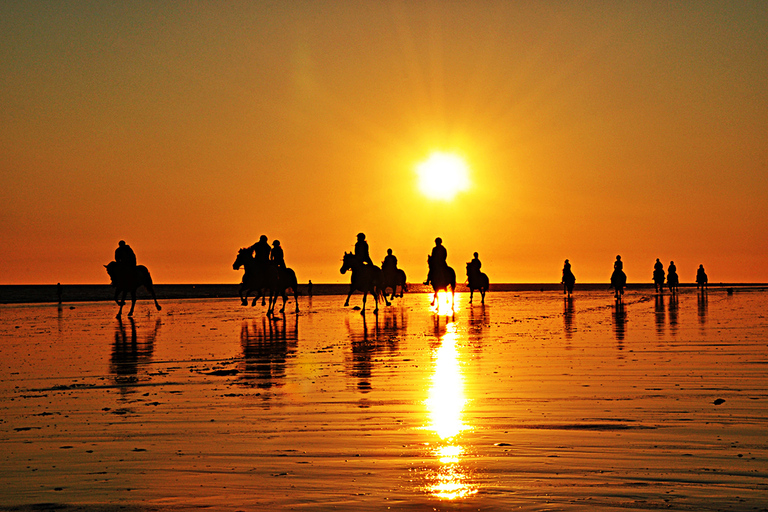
{"type": "Point", "coordinates": [361, 250]}
{"type": "Point", "coordinates": [390, 262]}
{"type": "Point", "coordinates": [437, 260]}
{"type": "Point", "coordinates": [277, 257]}
{"type": "Point", "coordinates": [658, 266]}
{"type": "Point", "coordinates": [701, 277]}
{"type": "Point", "coordinates": [672, 269]}
{"type": "Point", "coordinates": [261, 251]}
{"type": "Point", "coordinates": [618, 264]}
{"type": "Point", "coordinates": [475, 264]}
{"type": "Point", "coordinates": [125, 259]}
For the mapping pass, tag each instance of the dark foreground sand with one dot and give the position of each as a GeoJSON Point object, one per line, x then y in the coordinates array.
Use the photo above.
{"type": "Point", "coordinates": [526, 403]}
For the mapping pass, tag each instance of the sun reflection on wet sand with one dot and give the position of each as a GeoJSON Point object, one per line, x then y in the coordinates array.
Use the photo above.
{"type": "Point", "coordinates": [445, 406]}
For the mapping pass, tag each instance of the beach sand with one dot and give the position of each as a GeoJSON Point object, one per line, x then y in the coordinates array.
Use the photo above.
{"type": "Point", "coordinates": [530, 402]}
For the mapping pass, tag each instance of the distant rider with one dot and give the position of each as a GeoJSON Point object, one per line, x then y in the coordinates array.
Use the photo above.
{"type": "Point", "coordinates": [475, 264]}
{"type": "Point", "coordinates": [262, 251]}
{"type": "Point", "coordinates": [277, 256]}
{"type": "Point", "coordinates": [390, 262]}
{"type": "Point", "coordinates": [437, 260]}
{"type": "Point", "coordinates": [125, 259]}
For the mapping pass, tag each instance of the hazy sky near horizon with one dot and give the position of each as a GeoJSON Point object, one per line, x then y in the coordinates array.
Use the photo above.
{"type": "Point", "coordinates": [188, 129]}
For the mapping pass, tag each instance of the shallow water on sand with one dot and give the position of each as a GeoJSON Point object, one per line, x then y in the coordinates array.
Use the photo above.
{"type": "Point", "coordinates": [529, 402]}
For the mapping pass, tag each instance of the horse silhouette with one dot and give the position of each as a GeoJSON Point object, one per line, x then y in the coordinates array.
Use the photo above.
{"type": "Point", "coordinates": [130, 283]}
{"type": "Point", "coordinates": [391, 279]}
{"type": "Point", "coordinates": [441, 278]}
{"type": "Point", "coordinates": [673, 281]}
{"type": "Point", "coordinates": [569, 281]}
{"type": "Point", "coordinates": [477, 280]}
{"type": "Point", "coordinates": [365, 278]}
{"type": "Point", "coordinates": [658, 279]}
{"type": "Point", "coordinates": [618, 282]}
{"type": "Point", "coordinates": [261, 278]}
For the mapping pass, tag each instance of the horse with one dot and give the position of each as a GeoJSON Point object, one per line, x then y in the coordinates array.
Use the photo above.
{"type": "Point", "coordinates": [569, 280]}
{"type": "Point", "coordinates": [260, 278]}
{"type": "Point", "coordinates": [658, 280]}
{"type": "Point", "coordinates": [129, 283]}
{"type": "Point", "coordinates": [392, 278]}
{"type": "Point", "coordinates": [618, 282]}
{"type": "Point", "coordinates": [477, 280]}
{"type": "Point", "coordinates": [441, 278]}
{"type": "Point", "coordinates": [366, 278]}
{"type": "Point", "coordinates": [672, 281]}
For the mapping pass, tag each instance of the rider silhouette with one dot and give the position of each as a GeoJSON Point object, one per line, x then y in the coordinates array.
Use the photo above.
{"type": "Point", "coordinates": [125, 259]}
{"type": "Point", "coordinates": [437, 260]}
{"type": "Point", "coordinates": [262, 251]}
{"type": "Point", "coordinates": [618, 264]}
{"type": "Point", "coordinates": [390, 262]}
{"type": "Point", "coordinates": [701, 277]}
{"type": "Point", "coordinates": [277, 256]}
{"type": "Point", "coordinates": [475, 264]}
{"type": "Point", "coordinates": [658, 265]}
{"type": "Point", "coordinates": [672, 268]}
{"type": "Point", "coordinates": [566, 270]}
{"type": "Point", "coordinates": [361, 250]}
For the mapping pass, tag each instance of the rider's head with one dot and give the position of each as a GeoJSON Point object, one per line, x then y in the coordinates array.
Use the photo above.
{"type": "Point", "coordinates": [438, 240]}
{"type": "Point", "coordinates": [618, 257]}
{"type": "Point", "coordinates": [361, 236]}
{"type": "Point", "coordinates": [263, 238]}
{"type": "Point", "coordinates": [276, 243]}
{"type": "Point", "coordinates": [121, 243]}
{"type": "Point", "coordinates": [389, 252]}
{"type": "Point", "coordinates": [475, 255]}
{"type": "Point", "coordinates": [566, 261]}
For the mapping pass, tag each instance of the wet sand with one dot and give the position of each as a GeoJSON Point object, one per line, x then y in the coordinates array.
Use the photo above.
{"type": "Point", "coordinates": [529, 402]}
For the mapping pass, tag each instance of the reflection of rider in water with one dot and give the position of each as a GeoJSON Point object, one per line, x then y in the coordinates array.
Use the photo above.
{"type": "Point", "coordinates": [277, 257]}
{"type": "Point", "coordinates": [438, 259]}
{"type": "Point", "coordinates": [125, 258]}
{"type": "Point", "coordinates": [361, 250]}
{"type": "Point", "coordinates": [262, 250]}
{"type": "Point", "coordinates": [390, 262]}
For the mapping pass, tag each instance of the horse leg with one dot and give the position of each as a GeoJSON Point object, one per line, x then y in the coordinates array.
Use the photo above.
{"type": "Point", "coordinates": [365, 296]}
{"type": "Point", "coordinates": [119, 303]}
{"type": "Point", "coordinates": [152, 292]}
{"type": "Point", "coordinates": [482, 295]}
{"type": "Point", "coordinates": [376, 301]}
{"type": "Point", "coordinates": [472, 293]}
{"type": "Point", "coordinates": [285, 299]}
{"type": "Point", "coordinates": [351, 291]}
{"type": "Point", "coordinates": [255, 298]}
{"type": "Point", "coordinates": [133, 302]}
{"type": "Point", "coordinates": [243, 297]}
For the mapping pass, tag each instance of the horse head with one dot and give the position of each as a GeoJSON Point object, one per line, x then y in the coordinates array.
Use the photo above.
{"type": "Point", "coordinates": [243, 258]}
{"type": "Point", "coordinates": [348, 262]}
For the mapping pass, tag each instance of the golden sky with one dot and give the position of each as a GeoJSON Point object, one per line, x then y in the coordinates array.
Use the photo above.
{"type": "Point", "coordinates": [188, 129]}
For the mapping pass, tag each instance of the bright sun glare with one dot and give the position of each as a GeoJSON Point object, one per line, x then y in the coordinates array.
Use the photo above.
{"type": "Point", "coordinates": [442, 176]}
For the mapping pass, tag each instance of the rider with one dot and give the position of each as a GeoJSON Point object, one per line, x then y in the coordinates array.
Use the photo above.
{"type": "Point", "coordinates": [475, 263]}
{"type": "Point", "coordinates": [438, 259]}
{"type": "Point", "coordinates": [566, 270]}
{"type": "Point", "coordinates": [125, 259]}
{"type": "Point", "coordinates": [361, 250]}
{"type": "Point", "coordinates": [277, 257]}
{"type": "Point", "coordinates": [672, 268]}
{"type": "Point", "coordinates": [618, 264]}
{"type": "Point", "coordinates": [390, 262]}
{"type": "Point", "coordinates": [701, 277]}
{"type": "Point", "coordinates": [262, 250]}
{"type": "Point", "coordinates": [658, 265]}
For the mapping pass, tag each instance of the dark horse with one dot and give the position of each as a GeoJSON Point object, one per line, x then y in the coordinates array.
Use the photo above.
{"type": "Point", "coordinates": [392, 278]}
{"type": "Point", "coordinates": [129, 283]}
{"type": "Point", "coordinates": [569, 280]}
{"type": "Point", "coordinates": [618, 282]}
{"type": "Point", "coordinates": [477, 280]}
{"type": "Point", "coordinates": [441, 278]}
{"type": "Point", "coordinates": [366, 278]}
{"type": "Point", "coordinates": [672, 281]}
{"type": "Point", "coordinates": [262, 278]}
{"type": "Point", "coordinates": [658, 279]}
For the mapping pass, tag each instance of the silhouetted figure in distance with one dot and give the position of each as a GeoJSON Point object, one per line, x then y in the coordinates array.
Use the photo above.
{"type": "Point", "coordinates": [618, 278]}
{"type": "Point", "coordinates": [392, 277]}
{"type": "Point", "coordinates": [309, 288]}
{"type": "Point", "coordinates": [277, 257]}
{"type": "Point", "coordinates": [672, 278]}
{"type": "Point", "coordinates": [361, 250]}
{"type": "Point", "coordinates": [126, 261]}
{"type": "Point", "coordinates": [476, 279]}
{"type": "Point", "coordinates": [59, 291]}
{"type": "Point", "coordinates": [568, 280]}
{"type": "Point", "coordinates": [701, 278]}
{"type": "Point", "coordinates": [475, 263]}
{"type": "Point", "coordinates": [658, 276]}
{"type": "Point", "coordinates": [390, 261]}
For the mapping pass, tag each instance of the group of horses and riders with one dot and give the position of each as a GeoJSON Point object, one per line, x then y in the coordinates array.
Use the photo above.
{"type": "Point", "coordinates": [265, 274]}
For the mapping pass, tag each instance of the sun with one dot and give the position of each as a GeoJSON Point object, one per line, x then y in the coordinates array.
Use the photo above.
{"type": "Point", "coordinates": [442, 176]}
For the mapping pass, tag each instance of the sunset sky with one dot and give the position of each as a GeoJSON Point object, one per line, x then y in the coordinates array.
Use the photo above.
{"type": "Point", "coordinates": [188, 129]}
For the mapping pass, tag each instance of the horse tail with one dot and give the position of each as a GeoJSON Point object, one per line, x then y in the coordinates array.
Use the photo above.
{"type": "Point", "coordinates": [144, 277]}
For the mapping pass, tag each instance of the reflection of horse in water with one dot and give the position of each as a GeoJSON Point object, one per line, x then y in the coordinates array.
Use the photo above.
{"type": "Point", "coordinates": [618, 282]}
{"type": "Point", "coordinates": [391, 279]}
{"type": "Point", "coordinates": [259, 278]}
{"type": "Point", "coordinates": [365, 278]}
{"type": "Point", "coordinates": [673, 281]}
{"type": "Point", "coordinates": [441, 277]}
{"type": "Point", "coordinates": [128, 280]}
{"type": "Point", "coordinates": [131, 353]}
{"type": "Point", "coordinates": [658, 279]}
{"type": "Point", "coordinates": [477, 280]}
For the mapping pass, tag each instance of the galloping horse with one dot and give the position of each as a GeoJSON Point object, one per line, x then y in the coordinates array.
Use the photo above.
{"type": "Point", "coordinates": [392, 279]}
{"type": "Point", "coordinates": [366, 278]}
{"type": "Point", "coordinates": [258, 278]}
{"type": "Point", "coordinates": [441, 278]}
{"type": "Point", "coordinates": [477, 280]}
{"type": "Point", "coordinates": [618, 282]}
{"type": "Point", "coordinates": [658, 279]}
{"type": "Point", "coordinates": [130, 283]}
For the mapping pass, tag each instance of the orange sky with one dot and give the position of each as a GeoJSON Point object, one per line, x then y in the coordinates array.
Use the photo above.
{"type": "Point", "coordinates": [189, 129]}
